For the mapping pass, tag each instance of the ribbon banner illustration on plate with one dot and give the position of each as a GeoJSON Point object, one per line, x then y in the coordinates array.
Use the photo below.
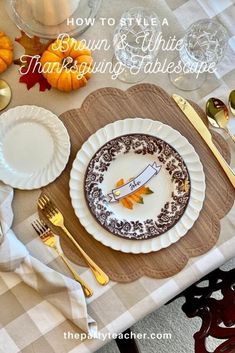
{"type": "Point", "coordinates": [133, 185]}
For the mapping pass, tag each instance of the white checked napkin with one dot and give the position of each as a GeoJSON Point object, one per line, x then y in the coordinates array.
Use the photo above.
{"type": "Point", "coordinates": [61, 291]}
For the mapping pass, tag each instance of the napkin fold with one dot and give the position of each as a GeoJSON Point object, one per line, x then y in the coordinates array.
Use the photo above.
{"type": "Point", "coordinates": [62, 292]}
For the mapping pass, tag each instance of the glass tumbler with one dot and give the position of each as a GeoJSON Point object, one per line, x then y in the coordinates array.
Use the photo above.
{"type": "Point", "coordinates": [204, 44]}
{"type": "Point", "coordinates": [135, 42]}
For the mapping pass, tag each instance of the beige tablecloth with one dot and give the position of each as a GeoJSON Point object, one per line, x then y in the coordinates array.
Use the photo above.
{"type": "Point", "coordinates": [29, 324]}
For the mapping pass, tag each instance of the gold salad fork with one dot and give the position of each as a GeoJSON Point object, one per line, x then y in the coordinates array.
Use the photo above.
{"type": "Point", "coordinates": [49, 239]}
{"type": "Point", "coordinates": [57, 219]}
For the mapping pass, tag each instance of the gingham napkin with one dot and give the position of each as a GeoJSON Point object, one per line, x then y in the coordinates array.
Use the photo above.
{"type": "Point", "coordinates": [62, 292]}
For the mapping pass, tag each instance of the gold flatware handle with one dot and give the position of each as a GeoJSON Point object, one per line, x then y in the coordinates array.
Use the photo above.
{"type": "Point", "coordinates": [86, 289]}
{"type": "Point", "coordinates": [227, 169]}
{"type": "Point", "coordinates": [202, 129]}
{"type": "Point", "coordinates": [100, 276]}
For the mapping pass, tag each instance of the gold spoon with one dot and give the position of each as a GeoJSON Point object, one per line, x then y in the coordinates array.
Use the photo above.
{"type": "Point", "coordinates": [231, 102]}
{"type": "Point", "coordinates": [217, 114]}
{"type": "Point", "coordinates": [5, 94]}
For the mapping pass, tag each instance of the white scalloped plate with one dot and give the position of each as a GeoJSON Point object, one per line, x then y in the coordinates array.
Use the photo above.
{"type": "Point", "coordinates": [34, 147]}
{"type": "Point", "coordinates": [148, 127]}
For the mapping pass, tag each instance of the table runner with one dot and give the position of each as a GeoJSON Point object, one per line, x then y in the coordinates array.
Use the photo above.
{"type": "Point", "coordinates": [21, 329]}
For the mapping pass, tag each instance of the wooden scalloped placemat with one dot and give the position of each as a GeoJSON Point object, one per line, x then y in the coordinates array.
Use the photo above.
{"type": "Point", "coordinates": [149, 101]}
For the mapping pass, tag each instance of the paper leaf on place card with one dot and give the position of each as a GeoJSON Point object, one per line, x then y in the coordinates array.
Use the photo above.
{"type": "Point", "coordinates": [31, 77]}
{"type": "Point", "coordinates": [135, 197]}
{"type": "Point", "coordinates": [133, 190]}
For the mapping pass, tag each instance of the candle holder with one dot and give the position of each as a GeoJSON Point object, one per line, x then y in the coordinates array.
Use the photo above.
{"type": "Point", "coordinates": [49, 18]}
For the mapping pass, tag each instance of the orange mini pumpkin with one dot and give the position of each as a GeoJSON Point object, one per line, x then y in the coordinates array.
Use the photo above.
{"type": "Point", "coordinates": [67, 64]}
{"type": "Point", "coordinates": [6, 52]}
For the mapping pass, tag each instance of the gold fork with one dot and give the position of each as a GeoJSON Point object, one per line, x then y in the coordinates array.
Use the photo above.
{"type": "Point", "coordinates": [49, 239]}
{"type": "Point", "coordinates": [57, 219]}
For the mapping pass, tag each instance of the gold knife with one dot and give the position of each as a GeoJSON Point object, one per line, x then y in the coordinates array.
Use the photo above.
{"type": "Point", "coordinates": [202, 129]}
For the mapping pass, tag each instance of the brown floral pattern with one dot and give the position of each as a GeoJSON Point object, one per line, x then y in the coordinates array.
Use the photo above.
{"type": "Point", "coordinates": [142, 144]}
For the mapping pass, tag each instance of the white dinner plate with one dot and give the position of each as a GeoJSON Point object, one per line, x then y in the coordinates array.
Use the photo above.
{"type": "Point", "coordinates": [123, 150]}
{"type": "Point", "coordinates": [34, 147]}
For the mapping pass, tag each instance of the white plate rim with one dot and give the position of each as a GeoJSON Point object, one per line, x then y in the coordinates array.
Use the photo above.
{"type": "Point", "coordinates": [157, 129]}
{"type": "Point", "coordinates": [60, 136]}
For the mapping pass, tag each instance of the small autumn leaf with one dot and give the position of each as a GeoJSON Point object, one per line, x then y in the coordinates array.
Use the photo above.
{"type": "Point", "coordinates": [33, 48]}
{"type": "Point", "coordinates": [135, 197]}
{"type": "Point", "coordinates": [31, 77]}
{"type": "Point", "coordinates": [32, 45]}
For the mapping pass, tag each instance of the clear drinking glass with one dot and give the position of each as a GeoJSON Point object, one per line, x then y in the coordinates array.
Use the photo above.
{"type": "Point", "coordinates": [204, 43]}
{"type": "Point", "coordinates": [135, 42]}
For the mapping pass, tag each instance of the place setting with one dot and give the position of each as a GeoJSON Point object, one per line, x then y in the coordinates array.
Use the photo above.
{"type": "Point", "coordinates": [132, 183]}
{"type": "Point", "coordinates": [169, 184]}
{"type": "Point", "coordinates": [137, 186]}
